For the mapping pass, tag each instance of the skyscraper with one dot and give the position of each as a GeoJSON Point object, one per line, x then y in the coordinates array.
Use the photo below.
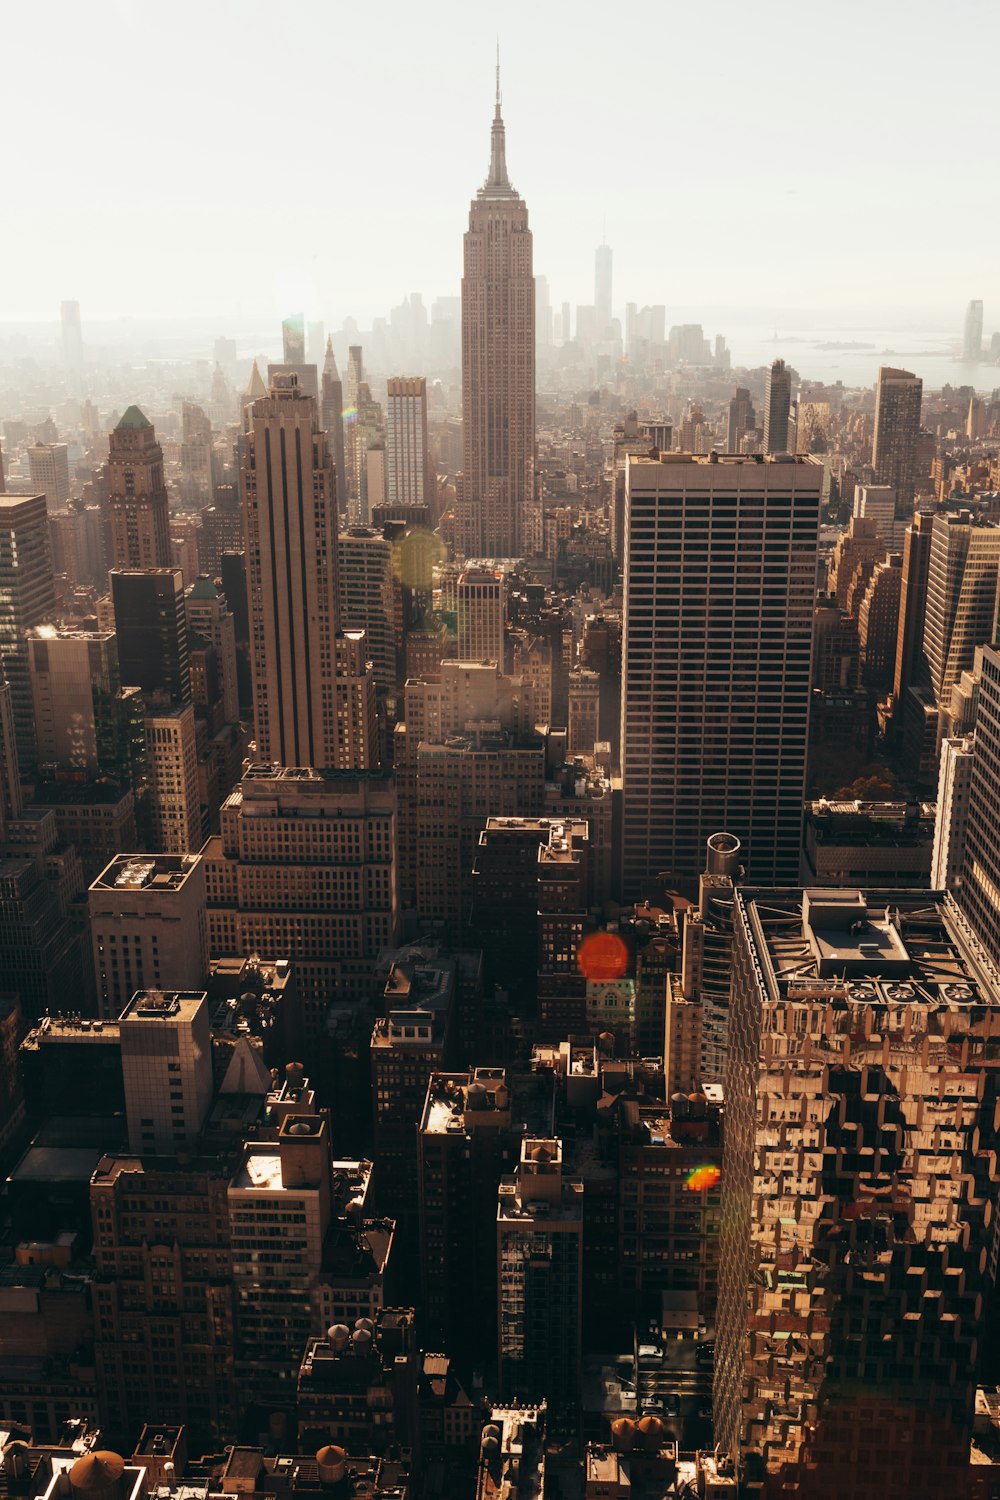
{"type": "Point", "coordinates": [48, 466]}
{"type": "Point", "coordinates": [720, 578]}
{"type": "Point", "coordinates": [291, 536]}
{"type": "Point", "coordinates": [140, 523]}
{"type": "Point", "coordinates": [367, 601]}
{"type": "Point", "coordinates": [742, 418]}
{"type": "Point", "coordinates": [75, 682]}
{"type": "Point", "coordinates": [897, 427]}
{"type": "Point", "coordinates": [540, 1266]}
{"type": "Point", "coordinates": [332, 421]}
{"type": "Point", "coordinates": [480, 597]}
{"type": "Point", "coordinates": [498, 363]}
{"type": "Point", "coordinates": [777, 406]}
{"type": "Point", "coordinates": [911, 666]}
{"type": "Point", "coordinates": [972, 333]}
{"type": "Point", "coordinates": [963, 587]}
{"type": "Point", "coordinates": [27, 598]}
{"type": "Point", "coordinates": [293, 340]}
{"type": "Point", "coordinates": [602, 289]}
{"type": "Point", "coordinates": [857, 1180]}
{"type": "Point", "coordinates": [151, 626]}
{"type": "Point", "coordinates": [980, 867]}
{"type": "Point", "coordinates": [409, 478]}
{"type": "Point", "coordinates": [72, 338]}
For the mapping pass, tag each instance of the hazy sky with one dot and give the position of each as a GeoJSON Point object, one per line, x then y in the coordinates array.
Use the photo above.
{"type": "Point", "coordinates": [237, 157]}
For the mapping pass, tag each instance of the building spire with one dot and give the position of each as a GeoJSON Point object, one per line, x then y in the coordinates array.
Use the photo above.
{"type": "Point", "coordinates": [498, 183]}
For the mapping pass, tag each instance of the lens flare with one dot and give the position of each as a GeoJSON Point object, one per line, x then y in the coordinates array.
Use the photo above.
{"type": "Point", "coordinates": [602, 956]}
{"type": "Point", "coordinates": [700, 1179]}
{"type": "Point", "coordinates": [350, 414]}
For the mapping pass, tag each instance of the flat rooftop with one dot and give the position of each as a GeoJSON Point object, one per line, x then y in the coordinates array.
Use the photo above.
{"type": "Point", "coordinates": [159, 873]}
{"type": "Point", "coordinates": [153, 1006]}
{"type": "Point", "coordinates": [260, 1170]}
{"type": "Point", "coordinates": [726, 460]}
{"type": "Point", "coordinates": [882, 945]}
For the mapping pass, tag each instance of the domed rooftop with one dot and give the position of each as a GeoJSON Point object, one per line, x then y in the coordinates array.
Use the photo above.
{"type": "Point", "coordinates": [330, 1455]}
{"type": "Point", "coordinates": [97, 1470]}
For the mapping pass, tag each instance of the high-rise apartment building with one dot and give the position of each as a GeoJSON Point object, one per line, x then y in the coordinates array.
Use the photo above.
{"type": "Point", "coordinates": [480, 603]}
{"type": "Point", "coordinates": [464, 1141]}
{"type": "Point", "coordinates": [312, 706]}
{"type": "Point", "coordinates": [720, 578]}
{"type": "Point", "coordinates": [409, 477]}
{"type": "Point", "coordinates": [151, 629]}
{"type": "Point", "coordinates": [858, 1175]}
{"type": "Point", "coordinates": [465, 750]}
{"type": "Point", "coordinates": [911, 666]}
{"type": "Point", "coordinates": [972, 333]}
{"type": "Point", "coordinates": [288, 1182]}
{"type": "Point", "coordinates": [742, 418]}
{"type": "Point", "coordinates": [498, 364]}
{"type": "Point", "coordinates": [167, 1068]}
{"type": "Point", "coordinates": [584, 711]}
{"type": "Point", "coordinates": [332, 421]}
{"type": "Point", "coordinates": [75, 688]}
{"type": "Point", "coordinates": [367, 597]}
{"type": "Point", "coordinates": [958, 759]}
{"type": "Point", "coordinates": [540, 1276]}
{"type": "Point", "coordinates": [304, 866]}
{"type": "Point", "coordinates": [898, 395]}
{"type": "Point", "coordinates": [963, 597]}
{"type": "Point", "coordinates": [148, 927]}
{"type": "Point", "coordinates": [176, 821]}
{"type": "Point", "coordinates": [27, 599]}
{"type": "Point", "coordinates": [163, 1291]}
{"type": "Point", "coordinates": [140, 521]}
{"type": "Point", "coordinates": [208, 615]}
{"type": "Point", "coordinates": [980, 864]}
{"type": "Point", "coordinates": [48, 467]}
{"type": "Point", "coordinates": [777, 407]}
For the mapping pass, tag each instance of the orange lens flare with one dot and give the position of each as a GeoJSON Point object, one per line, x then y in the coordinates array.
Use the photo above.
{"type": "Point", "coordinates": [602, 956]}
{"type": "Point", "coordinates": [700, 1179]}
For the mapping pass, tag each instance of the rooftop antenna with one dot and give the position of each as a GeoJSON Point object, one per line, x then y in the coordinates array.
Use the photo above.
{"type": "Point", "coordinates": [498, 75]}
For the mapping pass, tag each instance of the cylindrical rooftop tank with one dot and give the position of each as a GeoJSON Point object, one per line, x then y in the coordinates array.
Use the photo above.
{"type": "Point", "coordinates": [724, 851]}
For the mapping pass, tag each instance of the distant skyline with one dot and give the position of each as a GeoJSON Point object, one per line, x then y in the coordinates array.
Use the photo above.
{"type": "Point", "coordinates": [231, 159]}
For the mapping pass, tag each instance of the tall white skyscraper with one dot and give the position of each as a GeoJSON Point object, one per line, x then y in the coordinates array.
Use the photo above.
{"type": "Point", "coordinates": [408, 475]}
{"type": "Point", "coordinates": [602, 288]}
{"type": "Point", "coordinates": [72, 336]}
{"type": "Point", "coordinates": [498, 363]}
{"type": "Point", "coordinates": [972, 333]}
{"type": "Point", "coordinates": [720, 580]}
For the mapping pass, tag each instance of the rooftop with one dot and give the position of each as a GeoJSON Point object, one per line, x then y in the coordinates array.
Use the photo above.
{"type": "Point", "coordinates": [152, 1006]}
{"type": "Point", "coordinates": [147, 872]}
{"type": "Point", "coordinates": [877, 946]}
{"type": "Point", "coordinates": [133, 418]}
{"type": "Point", "coordinates": [457, 1102]}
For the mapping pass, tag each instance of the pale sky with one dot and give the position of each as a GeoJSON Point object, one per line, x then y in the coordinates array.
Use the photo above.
{"type": "Point", "coordinates": [240, 158]}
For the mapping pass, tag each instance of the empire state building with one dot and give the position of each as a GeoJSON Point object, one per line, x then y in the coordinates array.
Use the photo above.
{"type": "Point", "coordinates": [498, 366]}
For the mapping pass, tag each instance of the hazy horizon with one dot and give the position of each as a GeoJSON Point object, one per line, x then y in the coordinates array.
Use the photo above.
{"type": "Point", "coordinates": [187, 176]}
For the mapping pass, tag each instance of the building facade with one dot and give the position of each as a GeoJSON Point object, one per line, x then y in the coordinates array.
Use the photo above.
{"type": "Point", "coordinates": [720, 577]}
{"type": "Point", "coordinates": [858, 1178]}
{"type": "Point", "coordinates": [498, 364]}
